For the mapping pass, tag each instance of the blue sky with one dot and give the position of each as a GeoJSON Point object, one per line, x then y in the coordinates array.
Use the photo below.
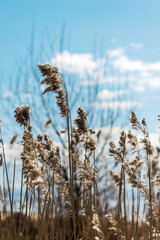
{"type": "Point", "coordinates": [122, 35]}
{"type": "Point", "coordinates": [86, 21]}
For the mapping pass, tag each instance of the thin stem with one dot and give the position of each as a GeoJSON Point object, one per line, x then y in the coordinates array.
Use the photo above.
{"type": "Point", "coordinates": [71, 166]}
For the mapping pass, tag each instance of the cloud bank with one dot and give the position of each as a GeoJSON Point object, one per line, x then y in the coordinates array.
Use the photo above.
{"type": "Point", "coordinates": [138, 71]}
{"type": "Point", "coordinates": [116, 67]}
{"type": "Point", "coordinates": [77, 63]}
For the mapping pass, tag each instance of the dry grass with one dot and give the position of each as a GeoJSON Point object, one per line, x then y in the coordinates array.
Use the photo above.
{"type": "Point", "coordinates": [70, 202]}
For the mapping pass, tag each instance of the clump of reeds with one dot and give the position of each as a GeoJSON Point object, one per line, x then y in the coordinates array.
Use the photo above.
{"type": "Point", "coordinates": [143, 155]}
{"type": "Point", "coordinates": [69, 201]}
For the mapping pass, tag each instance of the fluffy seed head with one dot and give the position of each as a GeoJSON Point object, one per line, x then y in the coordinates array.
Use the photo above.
{"type": "Point", "coordinates": [22, 115]}
{"type": "Point", "coordinates": [47, 69]}
{"type": "Point", "coordinates": [81, 121]}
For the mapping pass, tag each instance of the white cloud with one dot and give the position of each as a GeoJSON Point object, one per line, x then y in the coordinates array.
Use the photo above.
{"type": "Point", "coordinates": [139, 88]}
{"type": "Point", "coordinates": [7, 94]}
{"type": "Point", "coordinates": [42, 88]}
{"type": "Point", "coordinates": [146, 74]}
{"type": "Point", "coordinates": [154, 82]}
{"type": "Point", "coordinates": [138, 73]}
{"type": "Point", "coordinates": [77, 63]}
{"type": "Point", "coordinates": [149, 82]}
{"type": "Point", "coordinates": [154, 138]}
{"type": "Point", "coordinates": [136, 45]}
{"type": "Point", "coordinates": [98, 80]}
{"type": "Point", "coordinates": [108, 95]}
{"type": "Point", "coordinates": [107, 79]}
{"type": "Point", "coordinates": [114, 105]}
{"type": "Point", "coordinates": [27, 95]}
{"type": "Point", "coordinates": [113, 40]}
{"type": "Point", "coordinates": [121, 62]}
{"type": "Point", "coordinates": [116, 52]}
{"type": "Point", "coordinates": [12, 152]}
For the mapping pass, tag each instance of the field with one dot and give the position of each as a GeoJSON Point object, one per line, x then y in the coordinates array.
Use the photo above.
{"type": "Point", "coordinates": [82, 199]}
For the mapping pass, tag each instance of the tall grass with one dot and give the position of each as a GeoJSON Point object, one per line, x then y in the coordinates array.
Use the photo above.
{"type": "Point", "coordinates": [58, 201]}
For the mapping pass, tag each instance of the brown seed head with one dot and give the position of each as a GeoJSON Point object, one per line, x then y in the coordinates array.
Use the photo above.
{"type": "Point", "coordinates": [22, 115]}
{"type": "Point", "coordinates": [134, 121]}
{"type": "Point", "coordinates": [61, 102]}
{"type": "Point", "coordinates": [48, 122]}
{"type": "Point", "coordinates": [13, 139]}
{"type": "Point", "coordinates": [47, 69]}
{"type": "Point", "coordinates": [81, 121]}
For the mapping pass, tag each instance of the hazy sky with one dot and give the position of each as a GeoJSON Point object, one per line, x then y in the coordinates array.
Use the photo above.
{"type": "Point", "coordinates": [125, 33]}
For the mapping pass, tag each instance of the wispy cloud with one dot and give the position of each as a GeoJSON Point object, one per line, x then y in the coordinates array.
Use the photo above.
{"type": "Point", "coordinates": [136, 45]}
{"type": "Point", "coordinates": [116, 52]}
{"type": "Point", "coordinates": [7, 94]}
{"type": "Point", "coordinates": [139, 88]}
{"type": "Point", "coordinates": [114, 105]}
{"type": "Point", "coordinates": [27, 95]}
{"type": "Point", "coordinates": [113, 40]}
{"type": "Point", "coordinates": [109, 95]}
{"type": "Point", "coordinates": [106, 79]}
